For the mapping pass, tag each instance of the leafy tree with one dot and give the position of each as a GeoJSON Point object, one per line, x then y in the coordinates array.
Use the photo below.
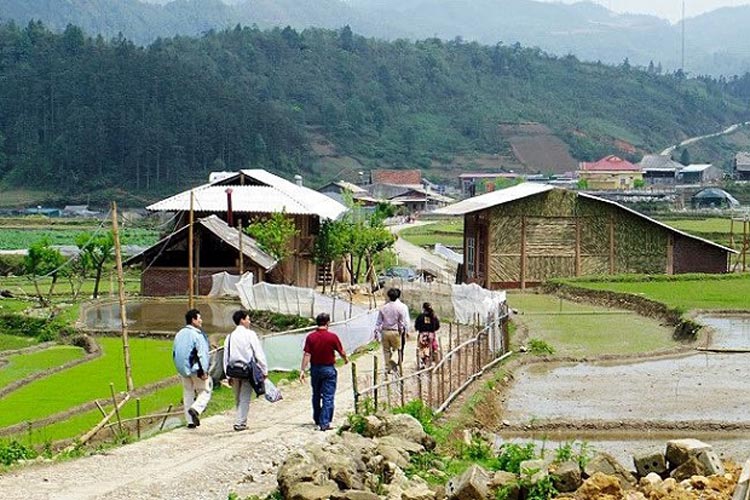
{"type": "Point", "coordinates": [685, 157]}
{"type": "Point", "coordinates": [639, 183]}
{"type": "Point", "coordinates": [96, 252]}
{"type": "Point", "coordinates": [330, 244]}
{"type": "Point", "coordinates": [582, 184]}
{"type": "Point", "coordinates": [43, 261]}
{"type": "Point", "coordinates": [275, 236]}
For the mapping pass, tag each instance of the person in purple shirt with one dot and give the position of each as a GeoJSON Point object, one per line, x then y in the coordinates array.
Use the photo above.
{"type": "Point", "coordinates": [388, 330]}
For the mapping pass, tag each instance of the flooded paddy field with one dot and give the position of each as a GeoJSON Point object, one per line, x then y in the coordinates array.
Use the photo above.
{"type": "Point", "coordinates": [629, 406]}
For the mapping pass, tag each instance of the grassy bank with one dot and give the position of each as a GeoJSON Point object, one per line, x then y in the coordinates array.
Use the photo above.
{"type": "Point", "coordinates": [449, 233]}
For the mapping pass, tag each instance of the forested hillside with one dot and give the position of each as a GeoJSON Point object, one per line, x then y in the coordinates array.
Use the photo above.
{"type": "Point", "coordinates": [82, 114]}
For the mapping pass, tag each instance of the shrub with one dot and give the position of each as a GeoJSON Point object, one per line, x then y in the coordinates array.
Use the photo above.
{"type": "Point", "coordinates": [511, 455]}
{"type": "Point", "coordinates": [421, 412]}
{"type": "Point", "coordinates": [13, 451]}
{"type": "Point", "coordinates": [11, 264]}
{"type": "Point", "coordinates": [540, 347]}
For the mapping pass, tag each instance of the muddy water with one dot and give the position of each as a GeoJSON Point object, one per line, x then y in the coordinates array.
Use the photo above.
{"type": "Point", "coordinates": [704, 386]}
{"type": "Point", "coordinates": [161, 316]}
{"type": "Point", "coordinates": [728, 331]}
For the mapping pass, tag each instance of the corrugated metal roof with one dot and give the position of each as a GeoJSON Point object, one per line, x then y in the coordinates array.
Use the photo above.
{"type": "Point", "coordinates": [275, 195]}
{"type": "Point", "coordinates": [499, 197]}
{"type": "Point", "coordinates": [227, 234]}
{"type": "Point", "coordinates": [527, 189]}
{"type": "Point", "coordinates": [696, 168]}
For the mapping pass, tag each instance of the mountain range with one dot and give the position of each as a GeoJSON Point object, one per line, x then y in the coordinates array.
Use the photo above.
{"type": "Point", "coordinates": [715, 42]}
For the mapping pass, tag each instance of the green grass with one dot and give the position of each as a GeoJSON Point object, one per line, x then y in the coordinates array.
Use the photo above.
{"type": "Point", "coordinates": [23, 365]}
{"type": "Point", "coordinates": [12, 342]}
{"type": "Point", "coordinates": [151, 361]}
{"type": "Point", "coordinates": [22, 286]}
{"type": "Point", "coordinates": [448, 233]}
{"type": "Point", "coordinates": [585, 330]}
{"type": "Point", "coordinates": [13, 239]}
{"type": "Point", "coordinates": [710, 292]}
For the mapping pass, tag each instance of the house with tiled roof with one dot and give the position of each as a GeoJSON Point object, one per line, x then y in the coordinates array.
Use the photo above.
{"type": "Point", "coordinates": [610, 173]}
{"type": "Point", "coordinates": [742, 166]}
{"type": "Point", "coordinates": [659, 170]}
{"type": "Point", "coordinates": [410, 178]}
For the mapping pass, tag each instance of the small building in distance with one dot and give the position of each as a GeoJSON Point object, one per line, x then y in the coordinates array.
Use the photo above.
{"type": "Point", "coordinates": [611, 172]}
{"type": "Point", "coordinates": [476, 183]}
{"type": "Point", "coordinates": [742, 166]}
{"type": "Point", "coordinates": [700, 174]}
{"type": "Point", "coordinates": [714, 198]}
{"type": "Point", "coordinates": [530, 233]}
{"type": "Point", "coordinates": [660, 170]}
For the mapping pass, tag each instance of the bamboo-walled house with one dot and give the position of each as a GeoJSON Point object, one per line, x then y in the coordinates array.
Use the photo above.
{"type": "Point", "coordinates": [529, 233]}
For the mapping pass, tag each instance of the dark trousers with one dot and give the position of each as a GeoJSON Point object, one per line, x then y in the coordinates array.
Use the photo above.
{"type": "Point", "coordinates": [323, 381]}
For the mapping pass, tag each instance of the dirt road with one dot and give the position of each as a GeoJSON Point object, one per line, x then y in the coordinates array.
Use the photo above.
{"type": "Point", "coordinates": [206, 463]}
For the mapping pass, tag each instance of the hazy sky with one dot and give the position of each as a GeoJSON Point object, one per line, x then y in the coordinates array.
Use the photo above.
{"type": "Point", "coordinates": [669, 9]}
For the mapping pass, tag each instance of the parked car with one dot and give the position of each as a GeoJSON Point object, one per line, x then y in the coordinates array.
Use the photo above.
{"type": "Point", "coordinates": [402, 273]}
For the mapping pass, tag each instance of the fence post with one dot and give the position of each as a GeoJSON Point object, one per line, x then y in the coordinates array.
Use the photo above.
{"type": "Point", "coordinates": [375, 379]}
{"type": "Point", "coordinates": [459, 353]}
{"type": "Point", "coordinates": [138, 417]}
{"type": "Point", "coordinates": [114, 402]}
{"type": "Point", "coordinates": [429, 388]}
{"type": "Point", "coordinates": [442, 376]}
{"type": "Point", "coordinates": [419, 387]}
{"type": "Point", "coordinates": [354, 388]}
{"type": "Point", "coordinates": [166, 415]}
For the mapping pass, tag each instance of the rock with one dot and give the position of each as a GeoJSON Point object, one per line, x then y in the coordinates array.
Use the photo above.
{"type": "Point", "coordinates": [358, 445]}
{"type": "Point", "coordinates": [566, 477]}
{"type": "Point", "coordinates": [312, 491]}
{"type": "Point", "coordinates": [711, 462]}
{"type": "Point", "coordinates": [471, 485]}
{"type": "Point", "coordinates": [373, 426]}
{"type": "Point", "coordinates": [600, 487]}
{"type": "Point", "coordinates": [508, 482]}
{"type": "Point", "coordinates": [688, 469]}
{"type": "Point", "coordinates": [418, 492]}
{"type": "Point", "coordinates": [533, 471]}
{"type": "Point", "coordinates": [680, 450]}
{"type": "Point", "coordinates": [607, 464]}
{"type": "Point", "coordinates": [742, 490]}
{"type": "Point", "coordinates": [299, 468]}
{"type": "Point", "coordinates": [646, 463]}
{"type": "Point", "coordinates": [355, 495]}
{"type": "Point", "coordinates": [393, 455]}
{"type": "Point", "coordinates": [651, 479]}
{"type": "Point", "coordinates": [406, 427]}
{"type": "Point", "coordinates": [399, 443]}
{"type": "Point", "coordinates": [634, 495]}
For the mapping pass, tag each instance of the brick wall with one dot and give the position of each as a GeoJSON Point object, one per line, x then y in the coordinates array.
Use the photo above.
{"type": "Point", "coordinates": [166, 281]}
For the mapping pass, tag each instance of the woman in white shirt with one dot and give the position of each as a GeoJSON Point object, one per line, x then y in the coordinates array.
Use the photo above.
{"type": "Point", "coordinates": [243, 345]}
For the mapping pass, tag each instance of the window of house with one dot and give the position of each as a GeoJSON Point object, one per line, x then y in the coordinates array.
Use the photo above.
{"type": "Point", "coordinates": [470, 260]}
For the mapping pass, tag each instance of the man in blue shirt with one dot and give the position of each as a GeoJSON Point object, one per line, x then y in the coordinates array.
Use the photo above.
{"type": "Point", "coordinates": [190, 356]}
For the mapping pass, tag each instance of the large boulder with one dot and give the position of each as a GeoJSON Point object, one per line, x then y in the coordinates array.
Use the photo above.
{"type": "Point", "coordinates": [600, 486]}
{"type": "Point", "coordinates": [679, 451]}
{"type": "Point", "coordinates": [299, 467]}
{"type": "Point", "coordinates": [406, 427]}
{"type": "Point", "coordinates": [566, 477]}
{"type": "Point", "coordinates": [607, 464]}
{"type": "Point", "coordinates": [312, 491]}
{"type": "Point", "coordinates": [471, 485]}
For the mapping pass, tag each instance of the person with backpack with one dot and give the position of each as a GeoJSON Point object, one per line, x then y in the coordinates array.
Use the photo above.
{"type": "Point", "coordinates": [243, 346]}
{"type": "Point", "coordinates": [320, 351]}
{"type": "Point", "coordinates": [426, 325]}
{"type": "Point", "coordinates": [191, 358]}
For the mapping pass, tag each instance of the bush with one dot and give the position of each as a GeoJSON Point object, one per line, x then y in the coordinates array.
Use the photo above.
{"type": "Point", "coordinates": [275, 322]}
{"type": "Point", "coordinates": [11, 264]}
{"type": "Point", "coordinates": [13, 451]}
{"type": "Point", "coordinates": [421, 412]}
{"type": "Point", "coordinates": [511, 455]}
{"type": "Point", "coordinates": [540, 347]}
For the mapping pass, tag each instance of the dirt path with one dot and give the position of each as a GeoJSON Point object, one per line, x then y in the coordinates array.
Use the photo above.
{"type": "Point", "coordinates": [209, 462]}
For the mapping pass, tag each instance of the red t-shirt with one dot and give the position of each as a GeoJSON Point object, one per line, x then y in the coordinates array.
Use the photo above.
{"type": "Point", "coordinates": [322, 346]}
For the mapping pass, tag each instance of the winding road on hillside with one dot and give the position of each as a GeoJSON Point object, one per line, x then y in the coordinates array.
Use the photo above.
{"type": "Point", "coordinates": [729, 130]}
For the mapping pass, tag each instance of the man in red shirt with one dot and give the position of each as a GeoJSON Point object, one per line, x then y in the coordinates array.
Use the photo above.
{"type": "Point", "coordinates": [320, 351]}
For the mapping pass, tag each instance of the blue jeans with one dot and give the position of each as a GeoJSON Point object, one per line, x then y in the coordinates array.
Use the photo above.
{"type": "Point", "coordinates": [323, 381]}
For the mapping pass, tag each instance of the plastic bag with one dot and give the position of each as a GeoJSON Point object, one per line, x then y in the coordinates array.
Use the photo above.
{"type": "Point", "coordinates": [273, 393]}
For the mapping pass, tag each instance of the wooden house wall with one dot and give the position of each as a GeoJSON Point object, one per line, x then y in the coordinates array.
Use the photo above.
{"type": "Point", "coordinates": [570, 236]}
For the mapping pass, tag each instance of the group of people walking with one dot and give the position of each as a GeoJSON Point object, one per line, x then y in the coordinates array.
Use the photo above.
{"type": "Point", "coordinates": [242, 346]}
{"type": "Point", "coordinates": [191, 357]}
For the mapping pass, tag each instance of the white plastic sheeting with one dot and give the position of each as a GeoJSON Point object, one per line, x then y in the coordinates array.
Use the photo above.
{"type": "Point", "coordinates": [472, 301]}
{"type": "Point", "coordinates": [448, 254]}
{"type": "Point", "coordinates": [284, 351]}
{"type": "Point", "coordinates": [225, 284]}
{"type": "Point", "coordinates": [286, 299]}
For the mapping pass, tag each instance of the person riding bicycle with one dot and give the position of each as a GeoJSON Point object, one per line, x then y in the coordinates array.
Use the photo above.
{"type": "Point", "coordinates": [426, 325]}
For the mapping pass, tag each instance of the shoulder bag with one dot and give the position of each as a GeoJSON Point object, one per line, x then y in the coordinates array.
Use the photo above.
{"type": "Point", "coordinates": [250, 371]}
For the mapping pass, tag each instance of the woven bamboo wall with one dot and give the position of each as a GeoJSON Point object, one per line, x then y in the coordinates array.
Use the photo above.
{"type": "Point", "coordinates": [550, 227]}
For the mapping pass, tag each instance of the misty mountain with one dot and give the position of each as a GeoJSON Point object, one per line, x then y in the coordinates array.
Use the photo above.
{"type": "Point", "coordinates": [715, 42]}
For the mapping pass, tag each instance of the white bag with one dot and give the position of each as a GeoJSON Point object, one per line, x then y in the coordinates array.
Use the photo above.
{"type": "Point", "coordinates": [273, 394]}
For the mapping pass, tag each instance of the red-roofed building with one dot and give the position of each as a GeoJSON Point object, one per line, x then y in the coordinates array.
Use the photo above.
{"type": "Point", "coordinates": [611, 172]}
{"type": "Point", "coordinates": [411, 178]}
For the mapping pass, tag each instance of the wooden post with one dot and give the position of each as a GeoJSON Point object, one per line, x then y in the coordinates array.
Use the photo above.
{"type": "Point", "coordinates": [117, 408]}
{"type": "Point", "coordinates": [419, 388]}
{"type": "Point", "coordinates": [429, 388]}
{"type": "Point", "coordinates": [138, 417]}
{"type": "Point", "coordinates": [85, 438]}
{"type": "Point", "coordinates": [611, 244]}
{"type": "Point", "coordinates": [670, 254]}
{"type": "Point", "coordinates": [523, 252]}
{"type": "Point", "coordinates": [578, 246]}
{"type": "Point", "coordinates": [121, 296]}
{"type": "Point", "coordinates": [450, 362]}
{"type": "Point", "coordinates": [442, 374]}
{"type": "Point", "coordinates": [166, 415]}
{"type": "Point", "coordinates": [242, 254]}
{"type": "Point", "coordinates": [191, 283]}
{"type": "Point", "coordinates": [375, 379]}
{"type": "Point", "coordinates": [458, 354]}
{"type": "Point", "coordinates": [101, 410]}
{"type": "Point", "coordinates": [354, 388]}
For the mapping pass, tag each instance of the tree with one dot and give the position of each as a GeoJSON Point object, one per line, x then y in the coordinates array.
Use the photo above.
{"type": "Point", "coordinates": [274, 236]}
{"type": "Point", "coordinates": [639, 183]}
{"type": "Point", "coordinates": [96, 251]}
{"type": "Point", "coordinates": [43, 261]}
{"type": "Point", "coordinates": [685, 157]}
{"type": "Point", "coordinates": [330, 245]}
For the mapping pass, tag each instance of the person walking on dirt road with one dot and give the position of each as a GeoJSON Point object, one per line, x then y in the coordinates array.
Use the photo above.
{"type": "Point", "coordinates": [191, 358]}
{"type": "Point", "coordinates": [243, 345]}
{"type": "Point", "coordinates": [389, 326]}
{"type": "Point", "coordinates": [407, 325]}
{"type": "Point", "coordinates": [320, 351]}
